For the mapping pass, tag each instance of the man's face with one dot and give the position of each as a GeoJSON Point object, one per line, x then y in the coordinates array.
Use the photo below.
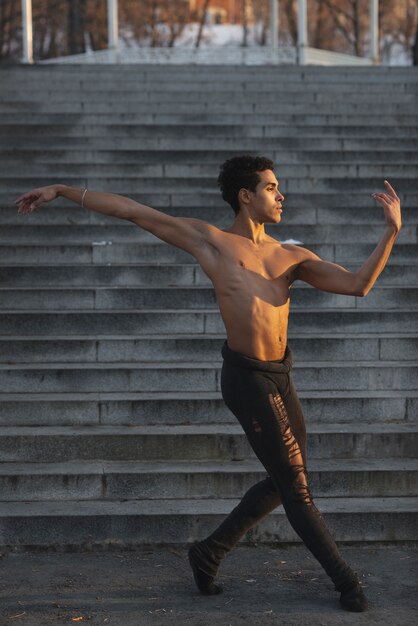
{"type": "Point", "coordinates": [266, 201]}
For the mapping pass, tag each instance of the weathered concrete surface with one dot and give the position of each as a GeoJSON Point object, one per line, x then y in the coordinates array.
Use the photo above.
{"type": "Point", "coordinates": [153, 586]}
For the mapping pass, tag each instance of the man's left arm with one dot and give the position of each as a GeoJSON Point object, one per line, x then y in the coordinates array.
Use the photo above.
{"type": "Point", "coordinates": [332, 277]}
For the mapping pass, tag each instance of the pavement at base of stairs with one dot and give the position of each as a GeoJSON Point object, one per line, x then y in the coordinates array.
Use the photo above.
{"type": "Point", "coordinates": [263, 585]}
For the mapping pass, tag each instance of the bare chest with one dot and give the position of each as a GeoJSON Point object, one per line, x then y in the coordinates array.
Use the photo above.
{"type": "Point", "coordinates": [270, 261]}
{"type": "Point", "coordinates": [266, 273]}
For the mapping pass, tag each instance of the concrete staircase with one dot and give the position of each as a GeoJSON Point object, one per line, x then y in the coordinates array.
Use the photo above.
{"type": "Point", "coordinates": [112, 427]}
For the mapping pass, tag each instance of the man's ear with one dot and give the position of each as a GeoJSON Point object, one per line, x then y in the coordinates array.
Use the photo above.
{"type": "Point", "coordinates": [244, 196]}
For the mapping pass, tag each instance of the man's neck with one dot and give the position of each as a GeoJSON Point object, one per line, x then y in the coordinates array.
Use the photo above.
{"type": "Point", "coordinates": [248, 228]}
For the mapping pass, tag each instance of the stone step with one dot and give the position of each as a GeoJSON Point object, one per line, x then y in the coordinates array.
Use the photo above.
{"type": "Point", "coordinates": [195, 322]}
{"type": "Point", "coordinates": [149, 76]}
{"type": "Point", "coordinates": [184, 171]}
{"type": "Point", "coordinates": [85, 524]}
{"type": "Point", "coordinates": [93, 297]}
{"type": "Point", "coordinates": [320, 207]}
{"type": "Point", "coordinates": [60, 212]}
{"type": "Point", "coordinates": [169, 276]}
{"type": "Point", "coordinates": [56, 444]}
{"type": "Point", "coordinates": [81, 85]}
{"type": "Point", "coordinates": [202, 408]}
{"type": "Point", "coordinates": [205, 131]}
{"type": "Point", "coordinates": [137, 275]}
{"type": "Point", "coordinates": [142, 71]}
{"type": "Point", "coordinates": [200, 348]}
{"type": "Point", "coordinates": [172, 118]}
{"type": "Point", "coordinates": [152, 273]}
{"type": "Point", "coordinates": [195, 186]}
{"type": "Point", "coordinates": [109, 252]}
{"type": "Point", "coordinates": [206, 85]}
{"type": "Point", "coordinates": [208, 90]}
{"type": "Point", "coordinates": [189, 376]}
{"type": "Point", "coordinates": [121, 158]}
{"type": "Point", "coordinates": [67, 230]}
{"type": "Point", "coordinates": [118, 231]}
{"type": "Point", "coordinates": [179, 103]}
{"type": "Point", "coordinates": [136, 480]}
{"type": "Point", "coordinates": [253, 144]}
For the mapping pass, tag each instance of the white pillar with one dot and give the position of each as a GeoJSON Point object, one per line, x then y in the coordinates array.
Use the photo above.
{"type": "Point", "coordinates": [27, 31]}
{"type": "Point", "coordinates": [113, 25]}
{"type": "Point", "coordinates": [302, 31]}
{"type": "Point", "coordinates": [374, 30]}
{"type": "Point", "coordinates": [274, 24]}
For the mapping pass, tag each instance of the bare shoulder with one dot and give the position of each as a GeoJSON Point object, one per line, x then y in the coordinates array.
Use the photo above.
{"type": "Point", "coordinates": [300, 253]}
{"type": "Point", "coordinates": [207, 244]}
{"type": "Point", "coordinates": [206, 229]}
{"type": "Point", "coordinates": [295, 256]}
{"type": "Point", "coordinates": [296, 252]}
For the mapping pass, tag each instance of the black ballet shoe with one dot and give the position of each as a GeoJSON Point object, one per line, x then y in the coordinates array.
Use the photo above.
{"type": "Point", "coordinates": [204, 582]}
{"type": "Point", "coordinates": [354, 599]}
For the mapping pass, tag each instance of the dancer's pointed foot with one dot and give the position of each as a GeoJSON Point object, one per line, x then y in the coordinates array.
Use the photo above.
{"type": "Point", "coordinates": [354, 599]}
{"type": "Point", "coordinates": [204, 582]}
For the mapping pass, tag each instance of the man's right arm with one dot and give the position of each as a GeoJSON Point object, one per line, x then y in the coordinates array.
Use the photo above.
{"type": "Point", "coordinates": [192, 235]}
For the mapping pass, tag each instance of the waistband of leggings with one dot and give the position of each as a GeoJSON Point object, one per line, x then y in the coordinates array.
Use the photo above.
{"type": "Point", "coordinates": [241, 360]}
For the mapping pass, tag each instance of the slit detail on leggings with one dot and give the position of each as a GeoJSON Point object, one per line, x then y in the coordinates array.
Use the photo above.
{"type": "Point", "coordinates": [256, 425]}
{"type": "Point", "coordinates": [300, 485]}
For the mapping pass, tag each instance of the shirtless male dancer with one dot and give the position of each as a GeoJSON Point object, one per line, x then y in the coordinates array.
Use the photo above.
{"type": "Point", "coordinates": [252, 274]}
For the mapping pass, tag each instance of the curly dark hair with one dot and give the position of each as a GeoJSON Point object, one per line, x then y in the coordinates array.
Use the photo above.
{"type": "Point", "coordinates": [241, 172]}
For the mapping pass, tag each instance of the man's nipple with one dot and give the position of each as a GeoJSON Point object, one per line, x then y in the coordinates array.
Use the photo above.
{"type": "Point", "coordinates": [242, 264]}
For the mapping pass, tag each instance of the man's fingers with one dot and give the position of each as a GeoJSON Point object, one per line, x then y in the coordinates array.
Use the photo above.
{"type": "Point", "coordinates": [390, 196]}
{"type": "Point", "coordinates": [26, 197]}
{"type": "Point", "coordinates": [391, 189]}
{"type": "Point", "coordinates": [385, 205]}
{"type": "Point", "coordinates": [24, 208]}
{"type": "Point", "coordinates": [382, 195]}
{"type": "Point", "coordinates": [29, 201]}
{"type": "Point", "coordinates": [383, 199]}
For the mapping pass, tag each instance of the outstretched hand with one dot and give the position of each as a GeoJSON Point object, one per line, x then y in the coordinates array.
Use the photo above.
{"type": "Point", "coordinates": [391, 206]}
{"type": "Point", "coordinates": [31, 200]}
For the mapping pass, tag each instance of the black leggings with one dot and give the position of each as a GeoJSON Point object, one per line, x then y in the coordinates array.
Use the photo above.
{"type": "Point", "coordinates": [263, 398]}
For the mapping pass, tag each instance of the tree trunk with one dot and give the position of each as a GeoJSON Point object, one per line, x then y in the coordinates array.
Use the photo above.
{"type": "Point", "coordinates": [154, 33]}
{"type": "Point", "coordinates": [2, 27]}
{"type": "Point", "coordinates": [202, 23]}
{"type": "Point", "coordinates": [290, 12]}
{"type": "Point", "coordinates": [76, 26]}
{"type": "Point", "coordinates": [415, 49]}
{"type": "Point", "coordinates": [357, 27]}
{"type": "Point", "coordinates": [244, 24]}
{"type": "Point", "coordinates": [318, 36]}
{"type": "Point", "coordinates": [13, 16]}
{"type": "Point", "coordinates": [52, 47]}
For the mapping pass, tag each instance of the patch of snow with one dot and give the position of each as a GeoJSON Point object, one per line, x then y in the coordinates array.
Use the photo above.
{"type": "Point", "coordinates": [295, 241]}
